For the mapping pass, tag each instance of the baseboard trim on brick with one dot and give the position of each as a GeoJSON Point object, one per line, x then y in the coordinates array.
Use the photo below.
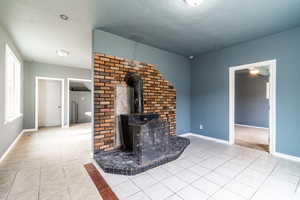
{"type": "Point", "coordinates": [205, 137]}
{"type": "Point", "coordinates": [250, 126]}
{"type": "Point", "coordinates": [286, 156]}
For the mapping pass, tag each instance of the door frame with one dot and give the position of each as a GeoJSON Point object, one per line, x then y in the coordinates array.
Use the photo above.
{"type": "Point", "coordinates": [68, 96]}
{"type": "Point", "coordinates": [37, 78]}
{"type": "Point", "coordinates": [272, 112]}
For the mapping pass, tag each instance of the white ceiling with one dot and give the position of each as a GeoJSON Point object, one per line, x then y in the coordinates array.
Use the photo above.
{"type": "Point", "coordinates": [167, 24]}
{"type": "Point", "coordinates": [39, 32]}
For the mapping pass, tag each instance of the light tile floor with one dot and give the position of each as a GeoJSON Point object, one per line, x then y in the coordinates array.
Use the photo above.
{"type": "Point", "coordinates": [213, 171]}
{"type": "Point", "coordinates": [49, 165]}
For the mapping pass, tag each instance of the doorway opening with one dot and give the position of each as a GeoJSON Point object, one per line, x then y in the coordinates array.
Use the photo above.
{"type": "Point", "coordinates": [49, 102]}
{"type": "Point", "coordinates": [252, 105]}
{"type": "Point", "coordinates": [79, 102]}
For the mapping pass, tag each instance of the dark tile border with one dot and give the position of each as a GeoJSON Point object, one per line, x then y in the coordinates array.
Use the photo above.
{"type": "Point", "coordinates": [100, 183]}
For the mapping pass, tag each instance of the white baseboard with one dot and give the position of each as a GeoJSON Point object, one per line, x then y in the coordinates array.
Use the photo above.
{"type": "Point", "coordinates": [205, 137]}
{"type": "Point", "coordinates": [11, 146]}
{"type": "Point", "coordinates": [276, 154]}
{"type": "Point", "coordinates": [29, 130]}
{"type": "Point", "coordinates": [251, 126]}
{"type": "Point", "coordinates": [286, 156]}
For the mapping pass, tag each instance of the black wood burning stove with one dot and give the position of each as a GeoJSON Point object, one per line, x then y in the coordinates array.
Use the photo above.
{"type": "Point", "coordinates": [144, 134]}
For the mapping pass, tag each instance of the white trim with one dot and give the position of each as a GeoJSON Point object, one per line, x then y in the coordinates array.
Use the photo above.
{"type": "Point", "coordinates": [29, 130]}
{"type": "Point", "coordinates": [267, 90]}
{"type": "Point", "coordinates": [14, 142]}
{"type": "Point", "coordinates": [11, 146]}
{"type": "Point", "coordinates": [276, 154]}
{"type": "Point", "coordinates": [249, 126]}
{"type": "Point", "coordinates": [286, 156]}
{"type": "Point", "coordinates": [9, 52]}
{"type": "Point", "coordinates": [13, 118]}
{"type": "Point", "coordinates": [68, 96]}
{"type": "Point", "coordinates": [204, 137]}
{"type": "Point", "coordinates": [37, 78]}
{"type": "Point", "coordinates": [272, 113]}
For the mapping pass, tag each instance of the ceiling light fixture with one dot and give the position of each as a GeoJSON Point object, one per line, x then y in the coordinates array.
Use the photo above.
{"type": "Point", "coordinates": [254, 71]}
{"type": "Point", "coordinates": [64, 17]}
{"type": "Point", "coordinates": [62, 53]}
{"type": "Point", "coordinates": [194, 3]}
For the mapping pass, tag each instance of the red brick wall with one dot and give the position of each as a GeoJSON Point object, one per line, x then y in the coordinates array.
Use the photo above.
{"type": "Point", "coordinates": [159, 95]}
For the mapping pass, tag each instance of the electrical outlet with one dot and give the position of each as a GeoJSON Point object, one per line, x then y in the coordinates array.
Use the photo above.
{"type": "Point", "coordinates": [201, 127]}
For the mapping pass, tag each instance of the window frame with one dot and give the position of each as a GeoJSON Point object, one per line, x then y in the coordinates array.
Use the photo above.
{"type": "Point", "coordinates": [12, 83]}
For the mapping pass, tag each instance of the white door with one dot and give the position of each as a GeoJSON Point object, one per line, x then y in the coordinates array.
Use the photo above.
{"type": "Point", "coordinates": [49, 103]}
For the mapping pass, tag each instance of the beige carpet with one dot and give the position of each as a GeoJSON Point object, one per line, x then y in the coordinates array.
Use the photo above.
{"type": "Point", "coordinates": [255, 138]}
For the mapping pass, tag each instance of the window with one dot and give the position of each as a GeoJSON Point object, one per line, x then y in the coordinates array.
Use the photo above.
{"type": "Point", "coordinates": [12, 85]}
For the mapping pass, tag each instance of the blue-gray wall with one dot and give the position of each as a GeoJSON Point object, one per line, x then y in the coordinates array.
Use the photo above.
{"type": "Point", "coordinates": [210, 87]}
{"type": "Point", "coordinates": [251, 104]}
{"type": "Point", "coordinates": [34, 69]}
{"type": "Point", "coordinates": [174, 67]}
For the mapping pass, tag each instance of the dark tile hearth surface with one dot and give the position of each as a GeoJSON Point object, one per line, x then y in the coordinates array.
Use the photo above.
{"type": "Point", "coordinates": [126, 163]}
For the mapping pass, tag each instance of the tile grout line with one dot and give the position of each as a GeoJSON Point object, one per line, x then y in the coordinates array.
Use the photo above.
{"type": "Point", "coordinates": [12, 184]}
{"type": "Point", "coordinates": [160, 181]}
{"type": "Point", "coordinates": [187, 168]}
{"type": "Point", "coordinates": [232, 179]}
{"type": "Point", "coordinates": [247, 167]}
{"type": "Point", "coordinates": [142, 190]}
{"type": "Point", "coordinates": [211, 170]}
{"type": "Point", "coordinates": [245, 170]}
{"type": "Point", "coordinates": [259, 187]}
{"type": "Point", "coordinates": [137, 187]}
{"type": "Point", "coordinates": [68, 186]}
{"type": "Point", "coordinates": [298, 185]}
{"type": "Point", "coordinates": [40, 177]}
{"type": "Point", "coordinates": [221, 187]}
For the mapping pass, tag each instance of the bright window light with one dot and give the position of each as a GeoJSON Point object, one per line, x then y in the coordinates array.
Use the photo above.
{"type": "Point", "coordinates": [12, 85]}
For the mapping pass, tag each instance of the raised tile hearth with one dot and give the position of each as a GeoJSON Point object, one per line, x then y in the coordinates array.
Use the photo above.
{"type": "Point", "coordinates": [126, 163]}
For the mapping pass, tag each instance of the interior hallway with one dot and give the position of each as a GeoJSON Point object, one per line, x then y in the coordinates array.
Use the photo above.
{"type": "Point", "coordinates": [48, 164]}
{"type": "Point", "coordinates": [255, 138]}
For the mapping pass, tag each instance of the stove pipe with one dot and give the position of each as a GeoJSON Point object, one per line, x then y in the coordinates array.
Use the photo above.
{"type": "Point", "coordinates": [134, 80]}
